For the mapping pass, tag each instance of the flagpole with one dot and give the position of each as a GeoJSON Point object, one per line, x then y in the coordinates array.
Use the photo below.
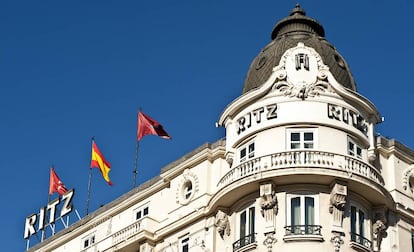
{"type": "Point", "coordinates": [135, 165]}
{"type": "Point", "coordinates": [89, 186]}
{"type": "Point", "coordinates": [134, 182]}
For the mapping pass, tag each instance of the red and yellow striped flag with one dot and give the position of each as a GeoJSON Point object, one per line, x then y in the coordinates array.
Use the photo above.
{"type": "Point", "coordinates": [98, 161]}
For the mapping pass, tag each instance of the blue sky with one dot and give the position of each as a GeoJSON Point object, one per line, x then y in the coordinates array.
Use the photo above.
{"type": "Point", "coordinates": [70, 70]}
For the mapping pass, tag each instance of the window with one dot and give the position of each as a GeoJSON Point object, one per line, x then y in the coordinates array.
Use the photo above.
{"type": "Point", "coordinates": [184, 244]}
{"type": "Point", "coordinates": [141, 212]}
{"type": "Point", "coordinates": [247, 152]}
{"type": "Point", "coordinates": [359, 224]}
{"type": "Point", "coordinates": [88, 241]}
{"type": "Point", "coordinates": [188, 189]}
{"type": "Point", "coordinates": [302, 215]}
{"type": "Point", "coordinates": [301, 139]}
{"type": "Point", "coordinates": [354, 149]}
{"type": "Point", "coordinates": [246, 228]}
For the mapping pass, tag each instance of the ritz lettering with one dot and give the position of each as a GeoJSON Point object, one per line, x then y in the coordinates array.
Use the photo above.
{"type": "Point", "coordinates": [49, 210]}
{"type": "Point", "coordinates": [256, 116]}
{"type": "Point", "coordinates": [348, 116]}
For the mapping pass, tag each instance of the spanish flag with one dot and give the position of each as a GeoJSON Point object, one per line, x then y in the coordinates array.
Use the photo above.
{"type": "Point", "coordinates": [98, 161]}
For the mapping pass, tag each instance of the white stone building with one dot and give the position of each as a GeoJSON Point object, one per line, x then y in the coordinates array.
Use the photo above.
{"type": "Point", "coordinates": [301, 167]}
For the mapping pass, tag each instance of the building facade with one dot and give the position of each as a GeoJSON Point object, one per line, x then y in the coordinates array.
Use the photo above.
{"type": "Point", "coordinates": [301, 167]}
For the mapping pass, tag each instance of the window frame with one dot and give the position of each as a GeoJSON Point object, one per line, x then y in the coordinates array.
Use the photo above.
{"type": "Point", "coordinates": [249, 151]}
{"type": "Point", "coordinates": [245, 234]}
{"type": "Point", "coordinates": [89, 239]}
{"type": "Point", "coordinates": [359, 239]}
{"type": "Point", "coordinates": [354, 151]}
{"type": "Point", "coordinates": [302, 207]}
{"type": "Point", "coordinates": [185, 244]}
{"type": "Point", "coordinates": [302, 141]}
{"type": "Point", "coordinates": [142, 211]}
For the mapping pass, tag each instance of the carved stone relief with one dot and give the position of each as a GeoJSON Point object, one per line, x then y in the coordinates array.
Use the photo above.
{"type": "Point", "coordinates": [407, 176]}
{"type": "Point", "coordinates": [337, 204]}
{"type": "Point", "coordinates": [268, 202]}
{"type": "Point", "coordinates": [187, 187]}
{"type": "Point", "coordinates": [269, 241]}
{"type": "Point", "coordinates": [300, 73]}
{"type": "Point", "coordinates": [222, 223]}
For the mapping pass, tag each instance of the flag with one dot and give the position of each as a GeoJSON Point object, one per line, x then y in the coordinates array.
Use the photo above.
{"type": "Point", "coordinates": [98, 161]}
{"type": "Point", "coordinates": [56, 185]}
{"type": "Point", "coordinates": [148, 126]}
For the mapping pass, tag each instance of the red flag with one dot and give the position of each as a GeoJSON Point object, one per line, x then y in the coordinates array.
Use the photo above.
{"type": "Point", "coordinates": [148, 126]}
{"type": "Point", "coordinates": [98, 161]}
{"type": "Point", "coordinates": [56, 185]}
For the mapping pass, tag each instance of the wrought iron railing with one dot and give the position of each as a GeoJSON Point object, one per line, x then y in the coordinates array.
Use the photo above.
{"type": "Point", "coordinates": [303, 230]}
{"type": "Point", "coordinates": [302, 158]}
{"type": "Point", "coordinates": [244, 241]}
{"type": "Point", "coordinates": [357, 238]}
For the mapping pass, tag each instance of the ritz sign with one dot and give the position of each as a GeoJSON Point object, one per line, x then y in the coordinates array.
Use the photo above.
{"type": "Point", "coordinates": [255, 117]}
{"type": "Point", "coordinates": [49, 210]}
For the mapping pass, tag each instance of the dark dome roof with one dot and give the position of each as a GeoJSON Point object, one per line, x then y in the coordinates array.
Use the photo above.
{"type": "Point", "coordinates": [286, 34]}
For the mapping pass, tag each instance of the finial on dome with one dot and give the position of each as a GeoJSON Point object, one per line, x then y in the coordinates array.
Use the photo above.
{"type": "Point", "coordinates": [298, 11]}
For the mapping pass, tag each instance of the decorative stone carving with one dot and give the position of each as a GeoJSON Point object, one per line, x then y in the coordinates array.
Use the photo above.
{"type": "Point", "coordinates": [268, 202]}
{"type": "Point", "coordinates": [408, 174]}
{"type": "Point", "coordinates": [337, 241]}
{"type": "Point", "coordinates": [187, 188]}
{"type": "Point", "coordinates": [379, 230]}
{"type": "Point", "coordinates": [337, 204]}
{"type": "Point", "coordinates": [222, 223]}
{"type": "Point", "coordinates": [269, 241]}
{"type": "Point", "coordinates": [301, 73]}
{"type": "Point", "coordinates": [379, 227]}
{"type": "Point", "coordinates": [302, 90]}
{"type": "Point", "coordinates": [269, 206]}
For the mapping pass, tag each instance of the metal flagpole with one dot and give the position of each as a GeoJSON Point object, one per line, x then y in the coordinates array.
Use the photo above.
{"type": "Point", "coordinates": [135, 165]}
{"type": "Point", "coordinates": [136, 154]}
{"type": "Point", "coordinates": [89, 186]}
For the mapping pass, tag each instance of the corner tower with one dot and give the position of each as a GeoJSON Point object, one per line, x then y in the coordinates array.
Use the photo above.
{"type": "Point", "coordinates": [302, 134]}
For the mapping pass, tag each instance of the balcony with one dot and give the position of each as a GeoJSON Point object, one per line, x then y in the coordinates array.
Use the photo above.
{"type": "Point", "coordinates": [245, 243]}
{"type": "Point", "coordinates": [303, 232]}
{"type": "Point", "coordinates": [302, 158]}
{"type": "Point", "coordinates": [360, 243]}
{"type": "Point", "coordinates": [135, 231]}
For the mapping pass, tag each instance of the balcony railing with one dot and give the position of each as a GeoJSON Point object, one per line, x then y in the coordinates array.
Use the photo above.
{"type": "Point", "coordinates": [303, 230]}
{"type": "Point", "coordinates": [361, 240]}
{"type": "Point", "coordinates": [302, 158]}
{"type": "Point", "coordinates": [126, 232]}
{"type": "Point", "coordinates": [244, 241]}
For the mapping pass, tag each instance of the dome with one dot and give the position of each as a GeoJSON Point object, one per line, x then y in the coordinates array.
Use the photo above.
{"type": "Point", "coordinates": [297, 27]}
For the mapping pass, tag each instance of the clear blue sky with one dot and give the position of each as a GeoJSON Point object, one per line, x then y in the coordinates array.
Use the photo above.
{"type": "Point", "coordinates": [70, 70]}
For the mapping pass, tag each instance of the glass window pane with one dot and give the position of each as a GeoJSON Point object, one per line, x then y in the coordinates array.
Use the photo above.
{"type": "Point", "coordinates": [309, 211]}
{"type": "Point", "coordinates": [242, 153]}
{"type": "Point", "coordinates": [243, 224]}
{"type": "Point", "coordinates": [251, 148]}
{"type": "Point", "coordinates": [295, 211]}
{"type": "Point", "coordinates": [251, 220]}
{"type": "Point", "coordinates": [138, 215]}
{"type": "Point", "coordinates": [308, 136]}
{"type": "Point", "coordinates": [294, 145]}
{"type": "Point", "coordinates": [308, 145]}
{"type": "Point", "coordinates": [359, 152]}
{"type": "Point", "coordinates": [295, 137]}
{"type": "Point", "coordinates": [361, 223]}
{"type": "Point", "coordinates": [353, 219]}
{"type": "Point", "coordinates": [146, 211]}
